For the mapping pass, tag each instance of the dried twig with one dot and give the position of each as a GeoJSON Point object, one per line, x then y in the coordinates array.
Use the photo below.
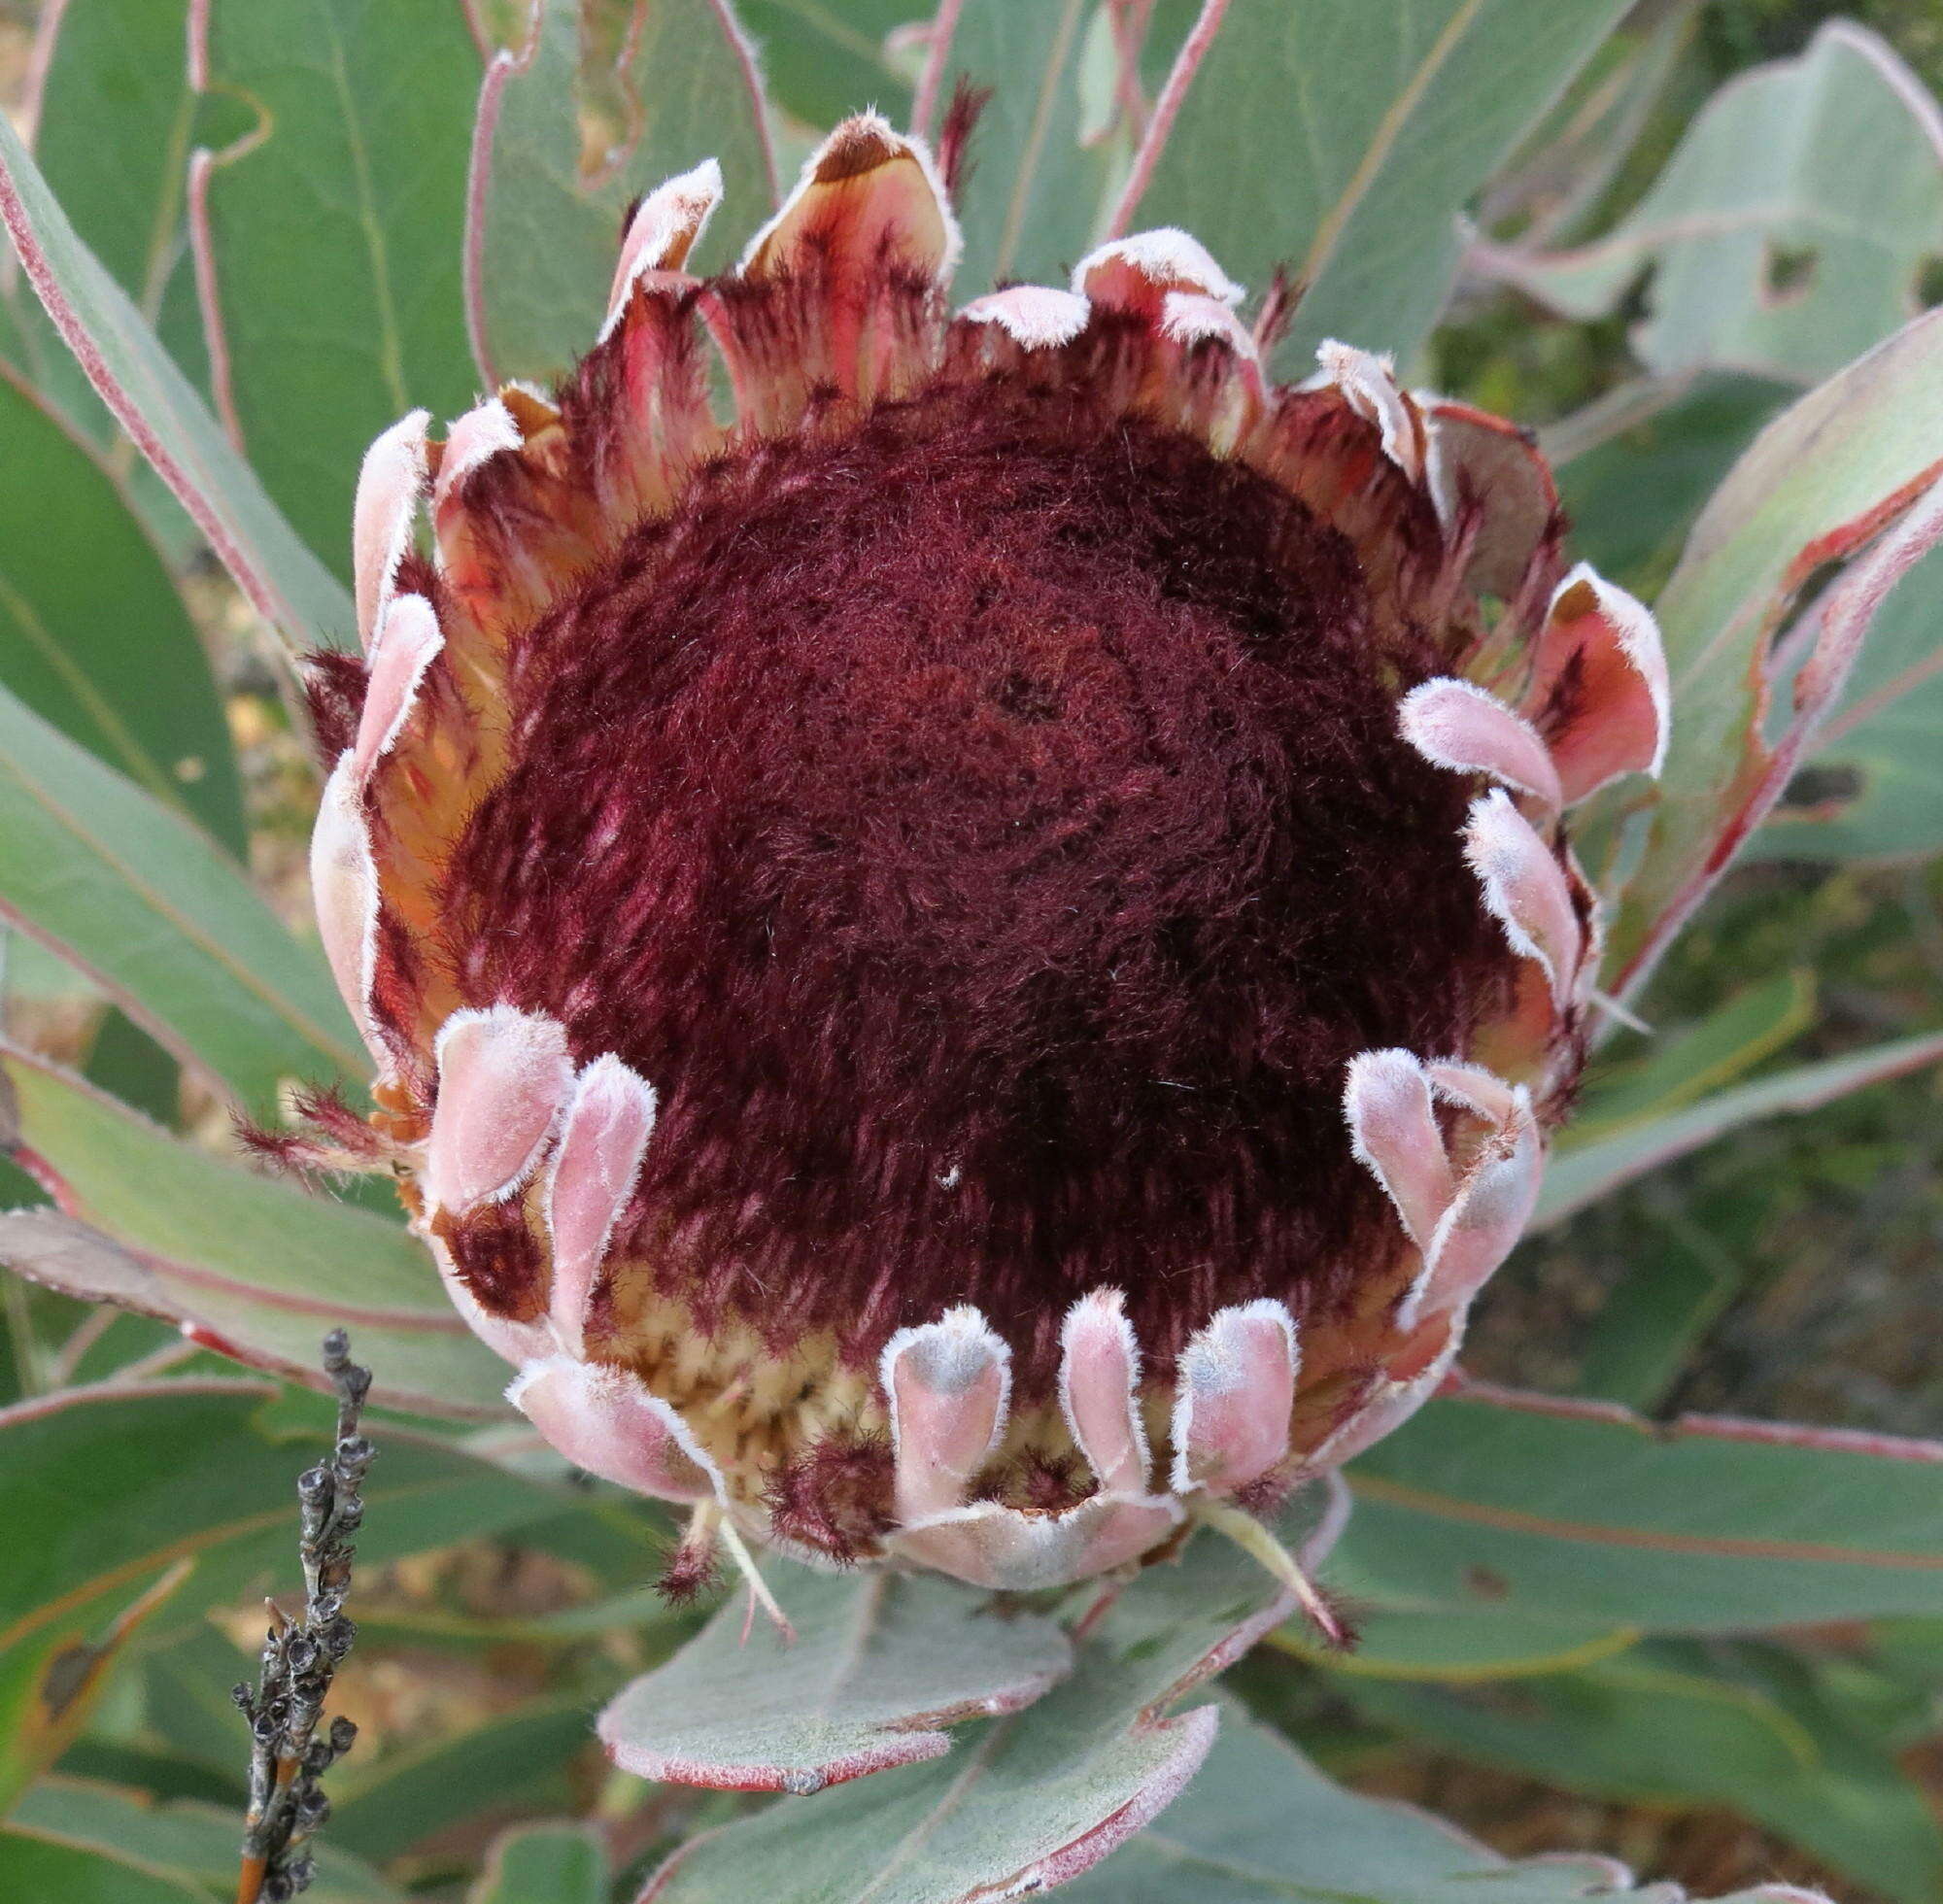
{"type": "Point", "coordinates": [290, 1747]}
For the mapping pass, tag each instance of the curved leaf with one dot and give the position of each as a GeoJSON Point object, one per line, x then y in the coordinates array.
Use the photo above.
{"type": "Point", "coordinates": [1789, 231]}
{"type": "Point", "coordinates": [162, 919]}
{"type": "Point", "coordinates": [542, 232]}
{"type": "Point", "coordinates": [1584, 1175]}
{"type": "Point", "coordinates": [880, 1664]}
{"type": "Point", "coordinates": [1883, 799]}
{"type": "Point", "coordinates": [1023, 1803]}
{"type": "Point", "coordinates": [164, 417]}
{"type": "Point", "coordinates": [1460, 1647]}
{"type": "Point", "coordinates": [201, 1470]}
{"type": "Point", "coordinates": [327, 237]}
{"type": "Point", "coordinates": [1359, 133]}
{"type": "Point", "coordinates": [1564, 1509]}
{"type": "Point", "coordinates": [50, 1681]}
{"type": "Point", "coordinates": [1824, 478]}
{"type": "Point", "coordinates": [1264, 1826]}
{"type": "Point", "coordinates": [116, 62]}
{"type": "Point", "coordinates": [196, 1841]}
{"type": "Point", "coordinates": [1676, 1726]}
{"type": "Point", "coordinates": [1675, 1070]}
{"type": "Point", "coordinates": [1678, 1068]}
{"type": "Point", "coordinates": [33, 1865]}
{"type": "Point", "coordinates": [251, 1266]}
{"type": "Point", "coordinates": [93, 635]}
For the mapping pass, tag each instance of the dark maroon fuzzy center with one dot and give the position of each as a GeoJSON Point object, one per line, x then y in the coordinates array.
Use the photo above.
{"type": "Point", "coordinates": [988, 830]}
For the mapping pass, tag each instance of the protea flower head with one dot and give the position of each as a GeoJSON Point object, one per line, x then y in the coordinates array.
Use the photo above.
{"type": "Point", "coordinates": [972, 959]}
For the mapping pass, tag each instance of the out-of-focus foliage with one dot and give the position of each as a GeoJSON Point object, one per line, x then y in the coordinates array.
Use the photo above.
{"type": "Point", "coordinates": [1797, 225]}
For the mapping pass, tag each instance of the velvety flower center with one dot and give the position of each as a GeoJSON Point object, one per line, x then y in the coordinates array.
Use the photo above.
{"type": "Point", "coordinates": [988, 830]}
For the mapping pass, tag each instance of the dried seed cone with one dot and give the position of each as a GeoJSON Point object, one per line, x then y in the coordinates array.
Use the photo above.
{"type": "Point", "coordinates": [980, 949]}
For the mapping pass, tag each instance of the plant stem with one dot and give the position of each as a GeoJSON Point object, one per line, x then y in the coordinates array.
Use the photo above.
{"type": "Point", "coordinates": [290, 1747]}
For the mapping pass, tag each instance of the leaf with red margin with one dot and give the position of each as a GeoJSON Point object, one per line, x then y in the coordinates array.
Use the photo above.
{"type": "Point", "coordinates": [1846, 466]}
{"type": "Point", "coordinates": [1771, 163]}
{"type": "Point", "coordinates": [881, 1663]}
{"type": "Point", "coordinates": [326, 237]}
{"type": "Point", "coordinates": [1581, 1176]}
{"type": "Point", "coordinates": [1583, 1509]}
{"type": "Point", "coordinates": [97, 63]}
{"type": "Point", "coordinates": [1026, 1802]}
{"type": "Point", "coordinates": [1880, 800]}
{"type": "Point", "coordinates": [98, 637]}
{"type": "Point", "coordinates": [248, 1266]}
{"type": "Point", "coordinates": [161, 412]}
{"type": "Point", "coordinates": [167, 924]}
{"type": "Point", "coordinates": [1800, 1745]}
{"type": "Point", "coordinates": [1264, 1826]}
{"type": "Point", "coordinates": [1367, 130]}
{"type": "Point", "coordinates": [541, 233]}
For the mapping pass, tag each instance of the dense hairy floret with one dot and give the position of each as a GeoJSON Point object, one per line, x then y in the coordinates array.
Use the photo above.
{"type": "Point", "coordinates": [1052, 849]}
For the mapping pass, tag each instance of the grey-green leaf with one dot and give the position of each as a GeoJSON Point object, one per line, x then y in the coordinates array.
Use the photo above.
{"type": "Point", "coordinates": [93, 635]}
{"type": "Point", "coordinates": [542, 232]}
{"type": "Point", "coordinates": [1884, 798]}
{"type": "Point", "coordinates": [150, 906]}
{"type": "Point", "coordinates": [195, 1842]}
{"type": "Point", "coordinates": [1023, 1803]}
{"type": "Point", "coordinates": [331, 234]}
{"type": "Point", "coordinates": [116, 62]}
{"type": "Point", "coordinates": [1819, 483]}
{"type": "Point", "coordinates": [251, 1265]}
{"type": "Point", "coordinates": [1579, 1511]}
{"type": "Point", "coordinates": [1262, 1826]}
{"type": "Point", "coordinates": [1680, 1065]}
{"type": "Point", "coordinates": [1675, 1723]}
{"type": "Point", "coordinates": [162, 414]}
{"type": "Point", "coordinates": [1585, 1175]}
{"type": "Point", "coordinates": [204, 1470]}
{"type": "Point", "coordinates": [880, 1664]}
{"type": "Point", "coordinates": [1344, 140]}
{"type": "Point", "coordinates": [1788, 233]}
